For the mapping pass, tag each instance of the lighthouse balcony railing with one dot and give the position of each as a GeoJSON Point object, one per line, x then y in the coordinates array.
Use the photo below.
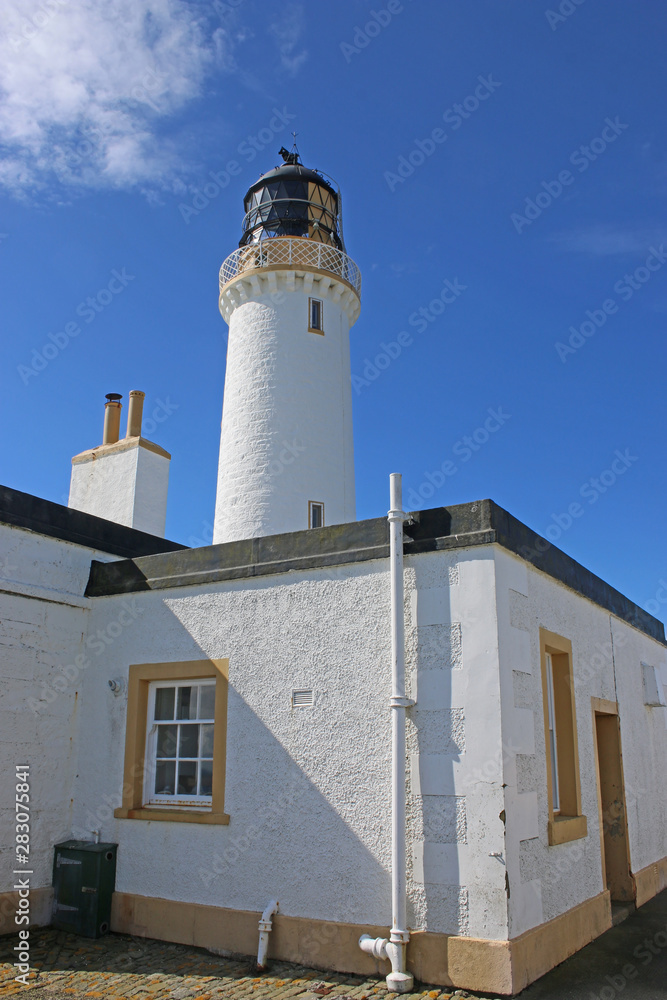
{"type": "Point", "coordinates": [294, 252]}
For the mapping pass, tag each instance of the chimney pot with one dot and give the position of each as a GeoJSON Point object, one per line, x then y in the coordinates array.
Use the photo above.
{"type": "Point", "coordinates": [135, 413]}
{"type": "Point", "coordinates": [112, 410]}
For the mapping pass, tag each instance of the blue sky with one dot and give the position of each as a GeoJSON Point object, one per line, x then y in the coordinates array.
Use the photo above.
{"type": "Point", "coordinates": [514, 150]}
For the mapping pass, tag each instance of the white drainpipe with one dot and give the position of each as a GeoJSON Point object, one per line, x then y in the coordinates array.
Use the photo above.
{"type": "Point", "coordinates": [399, 979]}
{"type": "Point", "coordinates": [264, 931]}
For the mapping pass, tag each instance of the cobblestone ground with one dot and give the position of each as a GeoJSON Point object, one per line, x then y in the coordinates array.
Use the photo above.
{"type": "Point", "coordinates": [117, 967]}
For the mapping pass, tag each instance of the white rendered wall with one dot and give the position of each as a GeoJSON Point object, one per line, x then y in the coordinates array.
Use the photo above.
{"type": "Point", "coordinates": [644, 744]}
{"type": "Point", "coordinates": [308, 790]}
{"type": "Point", "coordinates": [44, 658]}
{"type": "Point", "coordinates": [126, 483]}
{"type": "Point", "coordinates": [454, 737]}
{"type": "Point", "coordinates": [286, 433]}
{"type": "Point", "coordinates": [309, 817]}
{"type": "Point", "coordinates": [548, 880]}
{"type": "Point", "coordinates": [150, 492]}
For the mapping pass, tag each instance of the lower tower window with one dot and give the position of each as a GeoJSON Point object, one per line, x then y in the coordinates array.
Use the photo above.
{"type": "Point", "coordinates": [315, 324]}
{"type": "Point", "coordinates": [315, 514]}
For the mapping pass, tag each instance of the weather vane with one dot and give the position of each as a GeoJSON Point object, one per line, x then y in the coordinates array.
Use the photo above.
{"type": "Point", "coordinates": [293, 156]}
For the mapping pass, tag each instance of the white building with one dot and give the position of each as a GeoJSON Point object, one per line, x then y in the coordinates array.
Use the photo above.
{"type": "Point", "coordinates": [265, 662]}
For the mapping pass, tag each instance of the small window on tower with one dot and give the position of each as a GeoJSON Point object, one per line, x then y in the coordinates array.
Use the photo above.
{"type": "Point", "coordinates": [315, 316]}
{"type": "Point", "coordinates": [315, 514]}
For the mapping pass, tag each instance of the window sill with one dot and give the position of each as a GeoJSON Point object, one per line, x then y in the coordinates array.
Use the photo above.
{"type": "Point", "coordinates": [172, 815]}
{"type": "Point", "coordinates": [562, 829]}
{"type": "Point", "coordinates": [311, 329]}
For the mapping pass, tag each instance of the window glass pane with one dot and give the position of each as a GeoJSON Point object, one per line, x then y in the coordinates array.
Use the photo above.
{"type": "Point", "coordinates": [316, 515]}
{"type": "Point", "coordinates": [206, 741]}
{"type": "Point", "coordinates": [553, 743]}
{"type": "Point", "coordinates": [164, 703]}
{"type": "Point", "coordinates": [187, 777]}
{"type": "Point", "coordinates": [189, 746]}
{"type": "Point", "coordinates": [206, 777]}
{"type": "Point", "coordinates": [166, 741]}
{"type": "Point", "coordinates": [180, 746]}
{"type": "Point", "coordinates": [187, 703]}
{"type": "Point", "coordinates": [165, 773]}
{"type": "Point", "coordinates": [554, 772]}
{"type": "Point", "coordinates": [207, 701]}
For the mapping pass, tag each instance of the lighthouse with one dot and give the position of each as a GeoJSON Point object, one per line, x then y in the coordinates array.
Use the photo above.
{"type": "Point", "coordinates": [289, 294]}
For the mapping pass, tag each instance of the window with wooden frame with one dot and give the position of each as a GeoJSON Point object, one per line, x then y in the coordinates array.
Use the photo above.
{"type": "Point", "coordinates": [315, 514]}
{"type": "Point", "coordinates": [315, 316]}
{"type": "Point", "coordinates": [175, 742]}
{"type": "Point", "coordinates": [566, 821]}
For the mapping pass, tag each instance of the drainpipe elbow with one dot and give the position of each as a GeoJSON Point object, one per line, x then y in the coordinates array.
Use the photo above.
{"type": "Point", "coordinates": [377, 947]}
{"type": "Point", "coordinates": [265, 925]}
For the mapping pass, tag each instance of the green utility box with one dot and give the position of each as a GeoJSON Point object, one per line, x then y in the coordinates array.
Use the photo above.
{"type": "Point", "coordinates": [84, 877]}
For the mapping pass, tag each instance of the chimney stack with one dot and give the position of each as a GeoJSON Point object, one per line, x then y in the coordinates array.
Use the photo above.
{"type": "Point", "coordinates": [124, 480]}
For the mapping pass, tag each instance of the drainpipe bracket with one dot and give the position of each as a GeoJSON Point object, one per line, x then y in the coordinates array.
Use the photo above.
{"type": "Point", "coordinates": [265, 925]}
{"type": "Point", "coordinates": [401, 515]}
{"type": "Point", "coordinates": [398, 702]}
{"type": "Point", "coordinates": [399, 937]}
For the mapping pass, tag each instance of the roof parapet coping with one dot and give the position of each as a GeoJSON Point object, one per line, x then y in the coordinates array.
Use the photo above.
{"type": "Point", "coordinates": [22, 510]}
{"type": "Point", "coordinates": [482, 522]}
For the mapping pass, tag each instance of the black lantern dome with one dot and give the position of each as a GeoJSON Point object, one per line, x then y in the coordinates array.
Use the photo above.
{"type": "Point", "coordinates": [292, 200]}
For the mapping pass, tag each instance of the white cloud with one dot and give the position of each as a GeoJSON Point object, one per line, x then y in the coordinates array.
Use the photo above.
{"type": "Point", "coordinates": [84, 85]}
{"type": "Point", "coordinates": [609, 241]}
{"type": "Point", "coordinates": [287, 32]}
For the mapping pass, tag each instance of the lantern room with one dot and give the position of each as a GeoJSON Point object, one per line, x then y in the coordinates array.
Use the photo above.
{"type": "Point", "coordinates": [292, 200]}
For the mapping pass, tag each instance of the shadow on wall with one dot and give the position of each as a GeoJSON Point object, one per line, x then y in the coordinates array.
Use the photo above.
{"type": "Point", "coordinates": [298, 781]}
{"type": "Point", "coordinates": [436, 733]}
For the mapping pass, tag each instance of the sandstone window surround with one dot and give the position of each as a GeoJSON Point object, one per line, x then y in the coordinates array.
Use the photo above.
{"type": "Point", "coordinates": [566, 821]}
{"type": "Point", "coordinates": [174, 749]}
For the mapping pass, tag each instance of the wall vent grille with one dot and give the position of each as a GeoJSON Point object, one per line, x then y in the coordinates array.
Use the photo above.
{"type": "Point", "coordinates": [302, 699]}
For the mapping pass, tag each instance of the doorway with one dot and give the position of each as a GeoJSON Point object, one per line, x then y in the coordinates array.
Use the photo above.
{"type": "Point", "coordinates": [614, 843]}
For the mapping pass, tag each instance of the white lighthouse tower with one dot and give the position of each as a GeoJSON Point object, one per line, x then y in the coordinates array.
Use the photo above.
{"type": "Point", "coordinates": [290, 294]}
